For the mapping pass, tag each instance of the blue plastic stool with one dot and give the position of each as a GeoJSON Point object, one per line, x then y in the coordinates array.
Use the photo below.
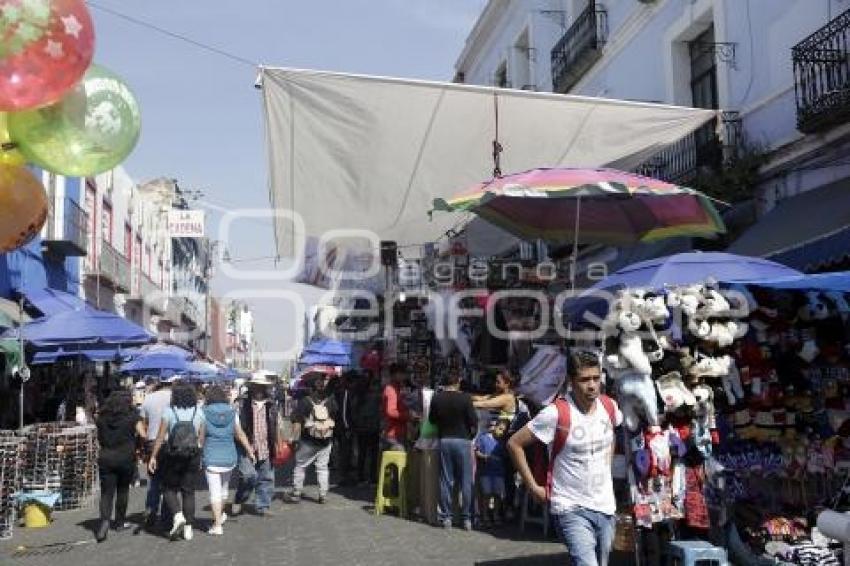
{"type": "Point", "coordinates": [696, 553]}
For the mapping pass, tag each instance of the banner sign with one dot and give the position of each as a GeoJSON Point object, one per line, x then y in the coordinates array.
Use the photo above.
{"type": "Point", "coordinates": [186, 223]}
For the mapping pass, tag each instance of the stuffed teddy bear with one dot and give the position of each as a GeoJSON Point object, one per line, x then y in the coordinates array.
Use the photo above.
{"type": "Point", "coordinates": [637, 397]}
{"type": "Point", "coordinates": [673, 392]}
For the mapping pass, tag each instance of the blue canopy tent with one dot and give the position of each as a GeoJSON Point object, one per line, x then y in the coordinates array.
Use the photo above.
{"type": "Point", "coordinates": [208, 372]}
{"type": "Point", "coordinates": [326, 351]}
{"type": "Point", "coordinates": [107, 354]}
{"type": "Point", "coordinates": [838, 281]}
{"type": "Point", "coordinates": [678, 269]}
{"type": "Point", "coordinates": [159, 357]}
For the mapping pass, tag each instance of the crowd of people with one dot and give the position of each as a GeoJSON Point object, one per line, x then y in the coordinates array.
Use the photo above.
{"type": "Point", "coordinates": [485, 444]}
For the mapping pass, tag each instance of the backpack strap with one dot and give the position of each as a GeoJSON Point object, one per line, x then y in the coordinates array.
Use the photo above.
{"type": "Point", "coordinates": [610, 408]}
{"type": "Point", "coordinates": [562, 432]}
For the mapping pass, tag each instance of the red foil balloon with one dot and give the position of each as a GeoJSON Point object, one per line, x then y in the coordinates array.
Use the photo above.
{"type": "Point", "coordinates": [45, 47]}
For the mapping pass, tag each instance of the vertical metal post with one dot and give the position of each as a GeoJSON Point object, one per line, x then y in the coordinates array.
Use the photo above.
{"type": "Point", "coordinates": [575, 245]}
{"type": "Point", "coordinates": [22, 362]}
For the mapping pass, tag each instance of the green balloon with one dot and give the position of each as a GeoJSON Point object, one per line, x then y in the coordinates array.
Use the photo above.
{"type": "Point", "coordinates": [91, 130]}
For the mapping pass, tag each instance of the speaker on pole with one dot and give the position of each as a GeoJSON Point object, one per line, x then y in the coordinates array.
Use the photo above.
{"type": "Point", "coordinates": [389, 253]}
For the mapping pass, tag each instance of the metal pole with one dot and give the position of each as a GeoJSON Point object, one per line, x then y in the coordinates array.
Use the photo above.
{"type": "Point", "coordinates": [22, 362]}
{"type": "Point", "coordinates": [575, 245]}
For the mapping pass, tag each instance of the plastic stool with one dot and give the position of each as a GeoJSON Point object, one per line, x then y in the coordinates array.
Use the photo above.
{"type": "Point", "coordinates": [36, 515]}
{"type": "Point", "coordinates": [525, 517]}
{"type": "Point", "coordinates": [398, 460]}
{"type": "Point", "coordinates": [696, 553]}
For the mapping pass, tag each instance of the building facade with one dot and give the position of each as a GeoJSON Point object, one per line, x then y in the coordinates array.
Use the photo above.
{"type": "Point", "coordinates": [781, 129]}
{"type": "Point", "coordinates": [242, 351]}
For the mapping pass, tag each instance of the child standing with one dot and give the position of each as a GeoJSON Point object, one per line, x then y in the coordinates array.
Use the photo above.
{"type": "Point", "coordinates": [491, 454]}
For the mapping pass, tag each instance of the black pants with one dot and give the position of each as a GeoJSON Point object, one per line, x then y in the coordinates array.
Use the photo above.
{"type": "Point", "coordinates": [179, 477]}
{"type": "Point", "coordinates": [367, 454]}
{"type": "Point", "coordinates": [115, 478]}
{"type": "Point", "coordinates": [343, 452]}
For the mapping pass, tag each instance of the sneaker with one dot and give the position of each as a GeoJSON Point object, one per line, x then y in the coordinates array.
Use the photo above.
{"type": "Point", "coordinates": [216, 530]}
{"type": "Point", "coordinates": [187, 532]}
{"type": "Point", "coordinates": [223, 519]}
{"type": "Point", "coordinates": [467, 525]}
{"type": "Point", "coordinates": [446, 524]}
{"type": "Point", "coordinates": [179, 523]}
{"type": "Point", "coordinates": [121, 526]}
{"type": "Point", "coordinates": [236, 509]}
{"type": "Point", "coordinates": [292, 498]}
{"type": "Point", "coordinates": [323, 499]}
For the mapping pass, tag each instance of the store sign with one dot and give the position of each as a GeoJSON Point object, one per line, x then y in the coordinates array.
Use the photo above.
{"type": "Point", "coordinates": [186, 223]}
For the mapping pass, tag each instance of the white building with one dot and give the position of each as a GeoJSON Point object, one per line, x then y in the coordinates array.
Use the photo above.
{"type": "Point", "coordinates": [242, 349]}
{"type": "Point", "coordinates": [783, 98]}
{"type": "Point", "coordinates": [130, 248]}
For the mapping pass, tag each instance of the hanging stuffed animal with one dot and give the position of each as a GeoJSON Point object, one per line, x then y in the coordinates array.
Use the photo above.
{"type": "Point", "coordinates": [673, 392]}
{"type": "Point", "coordinates": [637, 397]}
{"type": "Point", "coordinates": [842, 307]}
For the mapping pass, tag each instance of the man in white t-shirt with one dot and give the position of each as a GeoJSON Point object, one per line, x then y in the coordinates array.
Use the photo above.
{"type": "Point", "coordinates": [581, 495]}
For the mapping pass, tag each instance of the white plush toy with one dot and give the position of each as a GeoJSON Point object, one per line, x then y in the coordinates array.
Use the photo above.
{"type": "Point", "coordinates": [699, 328]}
{"type": "Point", "coordinates": [707, 366]}
{"type": "Point", "coordinates": [637, 397]}
{"type": "Point", "coordinates": [723, 333]}
{"type": "Point", "coordinates": [817, 309]}
{"type": "Point", "coordinates": [714, 304]}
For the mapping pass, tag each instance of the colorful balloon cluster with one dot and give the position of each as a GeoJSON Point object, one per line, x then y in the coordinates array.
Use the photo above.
{"type": "Point", "coordinates": [57, 110]}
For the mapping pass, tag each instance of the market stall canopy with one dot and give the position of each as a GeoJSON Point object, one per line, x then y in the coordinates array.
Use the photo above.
{"type": "Point", "coordinates": [838, 281]}
{"type": "Point", "coordinates": [326, 351]}
{"type": "Point", "coordinates": [679, 269]}
{"type": "Point", "coordinates": [158, 357]}
{"type": "Point", "coordinates": [809, 244]}
{"type": "Point", "coordinates": [86, 326]}
{"type": "Point", "coordinates": [52, 301]}
{"type": "Point", "coordinates": [101, 354]}
{"type": "Point", "coordinates": [372, 153]}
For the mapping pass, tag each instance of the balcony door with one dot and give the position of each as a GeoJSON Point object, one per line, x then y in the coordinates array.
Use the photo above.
{"type": "Point", "coordinates": [704, 94]}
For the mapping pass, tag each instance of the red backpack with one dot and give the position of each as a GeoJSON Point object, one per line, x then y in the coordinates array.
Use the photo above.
{"type": "Point", "coordinates": [562, 432]}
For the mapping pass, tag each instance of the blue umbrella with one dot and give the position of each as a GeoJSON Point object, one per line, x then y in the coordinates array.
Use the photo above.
{"type": "Point", "coordinates": [81, 327]}
{"type": "Point", "coordinates": [159, 357]}
{"type": "Point", "coordinates": [327, 351]}
{"type": "Point", "coordinates": [680, 269]}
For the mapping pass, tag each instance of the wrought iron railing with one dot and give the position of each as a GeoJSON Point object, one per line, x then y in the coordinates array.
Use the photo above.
{"type": "Point", "coordinates": [114, 266]}
{"type": "Point", "coordinates": [682, 161]}
{"type": "Point", "coordinates": [822, 76]}
{"type": "Point", "coordinates": [580, 47]}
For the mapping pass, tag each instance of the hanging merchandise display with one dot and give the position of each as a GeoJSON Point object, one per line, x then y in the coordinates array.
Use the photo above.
{"type": "Point", "coordinates": [45, 47]}
{"type": "Point", "coordinates": [736, 415]}
{"type": "Point", "coordinates": [23, 207]}
{"type": "Point", "coordinates": [91, 130]}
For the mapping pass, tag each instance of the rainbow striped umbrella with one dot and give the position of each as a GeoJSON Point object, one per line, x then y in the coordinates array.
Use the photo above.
{"type": "Point", "coordinates": [589, 206]}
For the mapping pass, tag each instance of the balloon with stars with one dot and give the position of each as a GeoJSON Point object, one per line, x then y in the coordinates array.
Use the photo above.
{"type": "Point", "coordinates": [45, 47]}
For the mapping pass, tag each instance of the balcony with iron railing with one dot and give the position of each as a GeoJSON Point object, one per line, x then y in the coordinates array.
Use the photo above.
{"type": "Point", "coordinates": [579, 48]}
{"type": "Point", "coordinates": [151, 295]}
{"type": "Point", "coordinates": [114, 268]}
{"type": "Point", "coordinates": [70, 236]}
{"type": "Point", "coordinates": [822, 76]}
{"type": "Point", "coordinates": [684, 160]}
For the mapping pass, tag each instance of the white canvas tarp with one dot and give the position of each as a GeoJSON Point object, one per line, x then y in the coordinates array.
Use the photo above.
{"type": "Point", "coordinates": [371, 153]}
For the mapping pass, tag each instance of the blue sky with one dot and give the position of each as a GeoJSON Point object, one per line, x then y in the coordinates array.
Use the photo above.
{"type": "Point", "coordinates": [201, 117]}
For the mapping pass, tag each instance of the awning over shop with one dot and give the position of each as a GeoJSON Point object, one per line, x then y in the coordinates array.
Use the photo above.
{"type": "Point", "coordinates": [82, 328]}
{"type": "Point", "coordinates": [52, 301]}
{"type": "Point", "coordinates": [382, 149]}
{"type": "Point", "coordinates": [806, 232]}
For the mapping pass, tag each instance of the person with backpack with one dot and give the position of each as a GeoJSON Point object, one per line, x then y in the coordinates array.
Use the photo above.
{"type": "Point", "coordinates": [258, 415]}
{"type": "Point", "coordinates": [179, 431]}
{"type": "Point", "coordinates": [578, 485]}
{"type": "Point", "coordinates": [313, 429]}
{"type": "Point", "coordinates": [219, 433]}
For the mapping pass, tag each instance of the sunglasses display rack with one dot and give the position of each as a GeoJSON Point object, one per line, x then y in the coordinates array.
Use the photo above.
{"type": "Point", "coordinates": [62, 458]}
{"type": "Point", "coordinates": [10, 445]}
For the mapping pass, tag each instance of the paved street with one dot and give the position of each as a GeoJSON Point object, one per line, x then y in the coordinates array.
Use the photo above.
{"type": "Point", "coordinates": [344, 531]}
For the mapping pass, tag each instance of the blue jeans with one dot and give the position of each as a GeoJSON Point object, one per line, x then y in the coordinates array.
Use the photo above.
{"type": "Point", "coordinates": [587, 534]}
{"type": "Point", "coordinates": [257, 477]}
{"type": "Point", "coordinates": [455, 468]}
